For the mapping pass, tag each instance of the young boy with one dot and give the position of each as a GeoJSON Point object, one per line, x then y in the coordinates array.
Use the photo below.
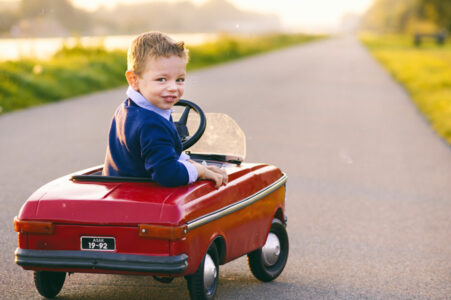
{"type": "Point", "coordinates": [143, 141]}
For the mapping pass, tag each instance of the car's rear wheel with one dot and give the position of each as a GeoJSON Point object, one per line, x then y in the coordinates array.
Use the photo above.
{"type": "Point", "coordinates": [269, 261]}
{"type": "Point", "coordinates": [163, 279]}
{"type": "Point", "coordinates": [49, 284]}
{"type": "Point", "coordinates": [202, 284]}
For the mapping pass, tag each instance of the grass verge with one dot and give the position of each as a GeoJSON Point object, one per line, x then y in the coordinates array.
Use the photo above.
{"type": "Point", "coordinates": [80, 70]}
{"type": "Point", "coordinates": [424, 71]}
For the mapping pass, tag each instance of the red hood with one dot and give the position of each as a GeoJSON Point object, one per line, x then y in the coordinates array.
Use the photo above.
{"type": "Point", "coordinates": [131, 203]}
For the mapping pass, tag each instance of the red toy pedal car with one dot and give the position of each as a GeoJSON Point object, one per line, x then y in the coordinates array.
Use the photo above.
{"type": "Point", "coordinates": [89, 223]}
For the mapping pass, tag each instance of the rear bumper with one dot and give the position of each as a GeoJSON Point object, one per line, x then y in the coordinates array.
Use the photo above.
{"type": "Point", "coordinates": [101, 261]}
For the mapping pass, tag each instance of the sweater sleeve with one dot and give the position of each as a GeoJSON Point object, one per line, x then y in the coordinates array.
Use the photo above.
{"type": "Point", "coordinates": [161, 159]}
{"type": "Point", "coordinates": [192, 172]}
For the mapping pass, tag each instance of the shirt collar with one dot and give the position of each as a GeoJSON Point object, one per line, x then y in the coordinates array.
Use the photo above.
{"type": "Point", "coordinates": [139, 99]}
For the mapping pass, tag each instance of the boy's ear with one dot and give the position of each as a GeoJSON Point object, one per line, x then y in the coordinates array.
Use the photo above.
{"type": "Point", "coordinates": [132, 79]}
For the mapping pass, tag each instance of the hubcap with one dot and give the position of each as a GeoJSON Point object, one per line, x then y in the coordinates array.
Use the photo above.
{"type": "Point", "coordinates": [210, 273]}
{"type": "Point", "coordinates": [271, 250]}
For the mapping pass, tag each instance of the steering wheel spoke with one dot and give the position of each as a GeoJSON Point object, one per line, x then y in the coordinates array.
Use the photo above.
{"type": "Point", "coordinates": [184, 118]}
{"type": "Point", "coordinates": [182, 129]}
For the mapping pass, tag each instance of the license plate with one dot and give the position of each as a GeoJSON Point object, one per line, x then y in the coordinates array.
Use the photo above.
{"type": "Point", "coordinates": [98, 243]}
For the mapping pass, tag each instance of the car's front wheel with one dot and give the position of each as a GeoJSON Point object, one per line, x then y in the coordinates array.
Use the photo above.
{"type": "Point", "coordinates": [269, 261]}
{"type": "Point", "coordinates": [202, 284]}
{"type": "Point", "coordinates": [49, 284]}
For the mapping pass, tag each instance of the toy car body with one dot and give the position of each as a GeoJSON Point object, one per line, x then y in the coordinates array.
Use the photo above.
{"type": "Point", "coordinates": [86, 222]}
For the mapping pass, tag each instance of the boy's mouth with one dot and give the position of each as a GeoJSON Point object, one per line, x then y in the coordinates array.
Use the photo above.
{"type": "Point", "coordinates": [170, 99]}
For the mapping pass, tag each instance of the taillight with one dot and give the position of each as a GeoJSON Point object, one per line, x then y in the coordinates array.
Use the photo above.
{"type": "Point", "coordinates": [36, 227]}
{"type": "Point", "coordinates": [162, 232]}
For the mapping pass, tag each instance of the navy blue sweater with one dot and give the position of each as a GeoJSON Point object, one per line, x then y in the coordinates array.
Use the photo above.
{"type": "Point", "coordinates": [144, 144]}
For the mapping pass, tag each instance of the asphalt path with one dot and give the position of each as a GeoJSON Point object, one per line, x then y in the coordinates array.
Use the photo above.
{"type": "Point", "coordinates": [368, 200]}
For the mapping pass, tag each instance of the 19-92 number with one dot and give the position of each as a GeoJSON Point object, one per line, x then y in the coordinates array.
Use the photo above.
{"type": "Point", "coordinates": [103, 246]}
{"type": "Point", "coordinates": [98, 243]}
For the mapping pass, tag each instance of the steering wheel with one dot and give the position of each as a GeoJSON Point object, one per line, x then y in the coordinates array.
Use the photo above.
{"type": "Point", "coordinates": [182, 129]}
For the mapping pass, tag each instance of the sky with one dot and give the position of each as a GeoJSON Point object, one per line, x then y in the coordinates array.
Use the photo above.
{"type": "Point", "coordinates": [312, 15]}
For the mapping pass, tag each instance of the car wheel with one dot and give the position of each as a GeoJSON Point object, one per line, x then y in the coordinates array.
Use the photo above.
{"type": "Point", "coordinates": [202, 284]}
{"type": "Point", "coordinates": [269, 261]}
{"type": "Point", "coordinates": [49, 284]}
{"type": "Point", "coordinates": [163, 279]}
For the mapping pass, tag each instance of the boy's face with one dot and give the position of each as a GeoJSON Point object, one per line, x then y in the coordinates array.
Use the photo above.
{"type": "Point", "coordinates": [162, 82]}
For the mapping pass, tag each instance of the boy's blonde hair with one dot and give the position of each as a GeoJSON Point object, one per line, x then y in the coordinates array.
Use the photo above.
{"type": "Point", "coordinates": [152, 44]}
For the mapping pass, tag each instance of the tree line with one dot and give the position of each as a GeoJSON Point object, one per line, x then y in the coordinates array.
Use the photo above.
{"type": "Point", "coordinates": [184, 16]}
{"type": "Point", "coordinates": [408, 16]}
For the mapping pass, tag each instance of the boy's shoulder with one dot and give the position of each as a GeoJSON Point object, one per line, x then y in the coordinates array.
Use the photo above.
{"type": "Point", "coordinates": [144, 117]}
{"type": "Point", "coordinates": [137, 111]}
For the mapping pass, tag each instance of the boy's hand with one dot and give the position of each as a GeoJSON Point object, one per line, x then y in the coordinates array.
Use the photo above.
{"type": "Point", "coordinates": [220, 175]}
{"type": "Point", "coordinates": [213, 173]}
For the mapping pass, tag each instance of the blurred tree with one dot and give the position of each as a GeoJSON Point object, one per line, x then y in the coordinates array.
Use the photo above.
{"type": "Point", "coordinates": [185, 16]}
{"type": "Point", "coordinates": [391, 15]}
{"type": "Point", "coordinates": [408, 16]}
{"type": "Point", "coordinates": [62, 11]}
{"type": "Point", "coordinates": [439, 11]}
{"type": "Point", "coordinates": [7, 20]}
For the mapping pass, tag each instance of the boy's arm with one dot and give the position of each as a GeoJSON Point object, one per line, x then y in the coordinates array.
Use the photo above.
{"type": "Point", "coordinates": [162, 161]}
{"type": "Point", "coordinates": [160, 157]}
{"type": "Point", "coordinates": [192, 171]}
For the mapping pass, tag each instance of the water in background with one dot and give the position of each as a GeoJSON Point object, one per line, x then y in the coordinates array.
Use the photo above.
{"type": "Point", "coordinates": [42, 48]}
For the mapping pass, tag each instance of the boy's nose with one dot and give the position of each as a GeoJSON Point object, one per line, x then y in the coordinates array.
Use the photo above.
{"type": "Point", "coordinates": [172, 86]}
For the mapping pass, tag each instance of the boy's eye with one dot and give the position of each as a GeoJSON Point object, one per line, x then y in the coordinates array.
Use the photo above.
{"type": "Point", "coordinates": [181, 80]}
{"type": "Point", "coordinates": [161, 79]}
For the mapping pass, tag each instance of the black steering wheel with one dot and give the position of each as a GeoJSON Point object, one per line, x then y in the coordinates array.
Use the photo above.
{"type": "Point", "coordinates": [182, 129]}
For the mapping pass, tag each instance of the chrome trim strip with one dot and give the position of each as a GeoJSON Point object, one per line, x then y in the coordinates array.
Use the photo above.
{"type": "Point", "coordinates": [238, 205]}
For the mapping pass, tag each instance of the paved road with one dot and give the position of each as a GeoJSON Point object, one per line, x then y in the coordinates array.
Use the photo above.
{"type": "Point", "coordinates": [369, 205]}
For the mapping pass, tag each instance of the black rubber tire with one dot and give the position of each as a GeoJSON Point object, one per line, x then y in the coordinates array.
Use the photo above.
{"type": "Point", "coordinates": [49, 284]}
{"type": "Point", "coordinates": [163, 279]}
{"type": "Point", "coordinates": [195, 282]}
{"type": "Point", "coordinates": [255, 259]}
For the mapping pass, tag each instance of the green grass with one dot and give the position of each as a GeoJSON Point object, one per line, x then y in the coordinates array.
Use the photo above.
{"type": "Point", "coordinates": [69, 73]}
{"type": "Point", "coordinates": [424, 71]}
{"type": "Point", "coordinates": [78, 70]}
